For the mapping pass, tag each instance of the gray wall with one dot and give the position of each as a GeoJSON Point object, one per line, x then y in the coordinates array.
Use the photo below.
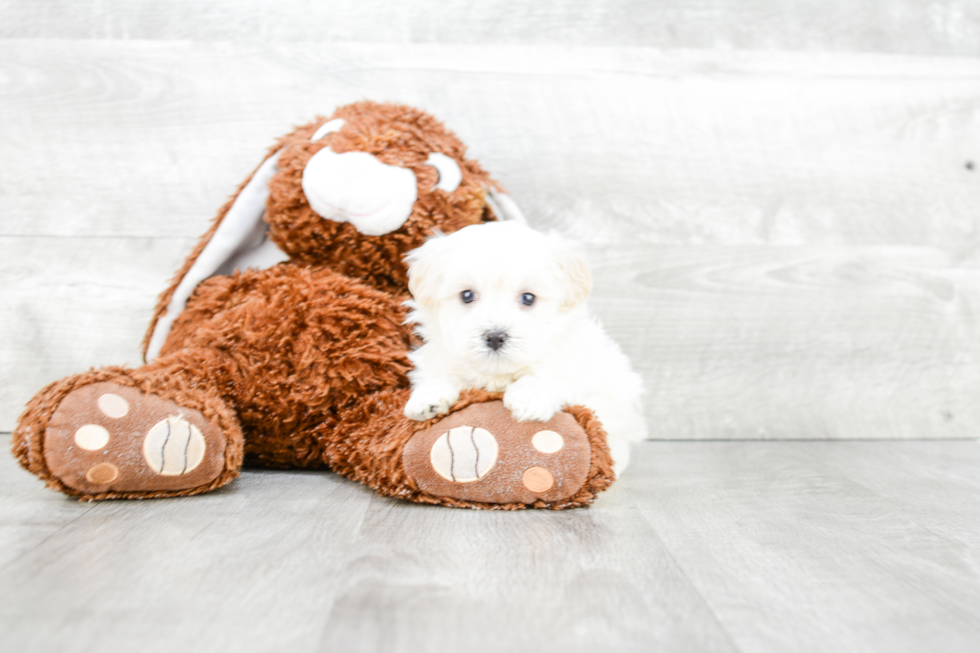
{"type": "Point", "coordinates": [781, 199]}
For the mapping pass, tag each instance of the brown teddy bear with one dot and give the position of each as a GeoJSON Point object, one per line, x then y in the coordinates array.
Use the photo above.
{"type": "Point", "coordinates": [282, 343]}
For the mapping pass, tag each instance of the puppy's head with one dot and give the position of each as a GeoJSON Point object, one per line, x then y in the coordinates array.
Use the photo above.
{"type": "Point", "coordinates": [495, 295]}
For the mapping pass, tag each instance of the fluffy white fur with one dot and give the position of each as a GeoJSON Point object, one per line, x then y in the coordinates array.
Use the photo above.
{"type": "Point", "coordinates": [555, 353]}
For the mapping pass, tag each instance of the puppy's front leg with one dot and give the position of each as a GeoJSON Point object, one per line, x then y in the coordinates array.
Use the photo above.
{"type": "Point", "coordinates": [433, 398]}
{"type": "Point", "coordinates": [533, 398]}
{"type": "Point", "coordinates": [434, 388]}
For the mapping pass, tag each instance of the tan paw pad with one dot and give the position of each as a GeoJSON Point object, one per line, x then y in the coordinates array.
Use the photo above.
{"type": "Point", "coordinates": [538, 480]}
{"type": "Point", "coordinates": [103, 473]}
{"type": "Point", "coordinates": [464, 454]}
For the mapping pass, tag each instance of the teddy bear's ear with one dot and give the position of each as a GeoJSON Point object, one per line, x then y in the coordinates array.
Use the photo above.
{"type": "Point", "coordinates": [423, 263]}
{"type": "Point", "coordinates": [503, 207]}
{"type": "Point", "coordinates": [240, 241]}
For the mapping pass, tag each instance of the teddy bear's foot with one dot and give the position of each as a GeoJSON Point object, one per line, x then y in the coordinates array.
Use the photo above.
{"type": "Point", "coordinates": [112, 440]}
{"type": "Point", "coordinates": [480, 454]}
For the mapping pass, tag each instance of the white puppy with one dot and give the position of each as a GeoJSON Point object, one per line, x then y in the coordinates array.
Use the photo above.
{"type": "Point", "coordinates": [502, 308]}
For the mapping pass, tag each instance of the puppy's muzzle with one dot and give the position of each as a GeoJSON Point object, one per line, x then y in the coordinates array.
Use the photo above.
{"type": "Point", "coordinates": [495, 339]}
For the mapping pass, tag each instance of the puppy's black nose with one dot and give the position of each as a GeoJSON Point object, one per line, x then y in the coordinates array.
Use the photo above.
{"type": "Point", "coordinates": [495, 339]}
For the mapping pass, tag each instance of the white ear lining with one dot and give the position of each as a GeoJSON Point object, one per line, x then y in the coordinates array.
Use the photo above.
{"type": "Point", "coordinates": [503, 207]}
{"type": "Point", "coordinates": [239, 242]}
{"type": "Point", "coordinates": [327, 128]}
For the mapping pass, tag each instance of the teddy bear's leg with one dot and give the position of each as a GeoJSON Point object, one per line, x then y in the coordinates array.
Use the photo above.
{"type": "Point", "coordinates": [475, 456]}
{"type": "Point", "coordinates": [159, 430]}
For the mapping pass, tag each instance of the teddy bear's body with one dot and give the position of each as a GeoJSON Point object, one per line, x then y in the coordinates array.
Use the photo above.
{"type": "Point", "coordinates": [346, 343]}
{"type": "Point", "coordinates": [303, 363]}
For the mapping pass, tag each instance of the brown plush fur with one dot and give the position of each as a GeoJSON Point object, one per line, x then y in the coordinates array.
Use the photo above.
{"type": "Point", "coordinates": [292, 345]}
{"type": "Point", "coordinates": [308, 359]}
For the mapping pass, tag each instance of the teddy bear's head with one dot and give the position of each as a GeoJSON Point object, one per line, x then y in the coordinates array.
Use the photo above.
{"type": "Point", "coordinates": [353, 192]}
{"type": "Point", "coordinates": [358, 190]}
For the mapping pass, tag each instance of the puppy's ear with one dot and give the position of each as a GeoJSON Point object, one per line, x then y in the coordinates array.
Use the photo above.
{"type": "Point", "coordinates": [575, 276]}
{"type": "Point", "coordinates": [424, 265]}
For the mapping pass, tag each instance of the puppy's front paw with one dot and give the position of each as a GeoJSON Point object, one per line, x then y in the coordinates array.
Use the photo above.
{"type": "Point", "coordinates": [530, 400]}
{"type": "Point", "coordinates": [427, 402]}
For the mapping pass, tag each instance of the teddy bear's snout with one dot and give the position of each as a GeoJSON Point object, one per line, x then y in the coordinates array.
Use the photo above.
{"type": "Point", "coordinates": [356, 187]}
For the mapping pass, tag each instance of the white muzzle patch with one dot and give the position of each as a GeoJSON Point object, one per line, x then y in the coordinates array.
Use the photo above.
{"type": "Point", "coordinates": [356, 187]}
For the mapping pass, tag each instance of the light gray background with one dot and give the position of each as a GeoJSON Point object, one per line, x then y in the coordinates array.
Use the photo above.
{"type": "Point", "coordinates": [777, 195]}
{"type": "Point", "coordinates": [783, 218]}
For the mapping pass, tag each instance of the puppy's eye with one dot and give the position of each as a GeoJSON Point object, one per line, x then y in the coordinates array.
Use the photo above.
{"type": "Point", "coordinates": [527, 299]}
{"type": "Point", "coordinates": [467, 296]}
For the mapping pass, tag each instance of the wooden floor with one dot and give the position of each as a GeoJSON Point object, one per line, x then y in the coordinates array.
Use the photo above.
{"type": "Point", "coordinates": [702, 546]}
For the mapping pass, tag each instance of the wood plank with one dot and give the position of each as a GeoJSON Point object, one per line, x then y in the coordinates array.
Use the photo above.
{"type": "Point", "coordinates": [582, 580]}
{"type": "Point", "coordinates": [609, 145]}
{"type": "Point", "coordinates": [702, 546]}
{"type": "Point", "coordinates": [733, 342]}
{"type": "Point", "coordinates": [792, 554]}
{"type": "Point", "coordinates": [917, 477]}
{"type": "Point", "coordinates": [29, 514]}
{"type": "Point", "coordinates": [72, 303]}
{"type": "Point", "coordinates": [251, 564]}
{"type": "Point", "coordinates": [304, 561]}
{"type": "Point", "coordinates": [810, 343]}
{"type": "Point", "coordinates": [941, 27]}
